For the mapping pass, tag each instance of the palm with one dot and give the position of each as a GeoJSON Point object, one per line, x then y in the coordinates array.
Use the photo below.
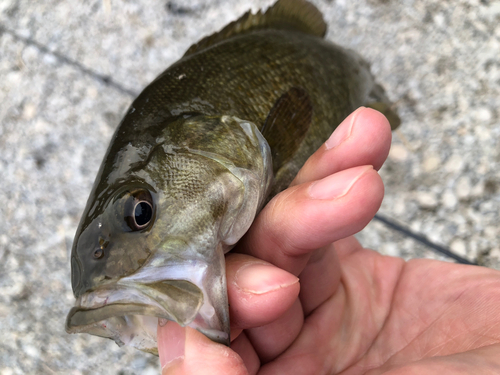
{"type": "Point", "coordinates": [389, 315]}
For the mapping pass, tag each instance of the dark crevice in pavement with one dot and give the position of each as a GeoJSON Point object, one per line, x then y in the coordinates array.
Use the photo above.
{"type": "Point", "coordinates": [107, 80]}
{"type": "Point", "coordinates": [419, 238]}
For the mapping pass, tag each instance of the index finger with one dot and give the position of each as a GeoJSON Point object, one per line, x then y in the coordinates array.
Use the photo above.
{"type": "Point", "coordinates": [364, 137]}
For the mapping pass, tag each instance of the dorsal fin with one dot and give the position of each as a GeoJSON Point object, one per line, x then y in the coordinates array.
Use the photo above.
{"type": "Point", "coordinates": [298, 15]}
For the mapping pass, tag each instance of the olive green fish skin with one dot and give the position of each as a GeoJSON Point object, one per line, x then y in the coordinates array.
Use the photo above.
{"type": "Point", "coordinates": [198, 192]}
{"type": "Point", "coordinates": [244, 77]}
{"type": "Point", "coordinates": [191, 139]}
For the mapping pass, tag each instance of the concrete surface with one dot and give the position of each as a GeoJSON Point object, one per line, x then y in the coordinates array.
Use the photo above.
{"type": "Point", "coordinates": [67, 70]}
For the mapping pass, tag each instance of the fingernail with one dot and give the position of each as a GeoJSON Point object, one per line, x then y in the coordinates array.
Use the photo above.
{"type": "Point", "coordinates": [343, 132]}
{"type": "Point", "coordinates": [173, 341]}
{"type": "Point", "coordinates": [337, 185]}
{"type": "Point", "coordinates": [261, 278]}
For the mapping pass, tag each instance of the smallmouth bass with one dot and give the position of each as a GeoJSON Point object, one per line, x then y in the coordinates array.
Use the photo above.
{"type": "Point", "coordinates": [198, 154]}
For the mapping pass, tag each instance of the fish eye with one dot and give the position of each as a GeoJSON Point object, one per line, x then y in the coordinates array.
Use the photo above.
{"type": "Point", "coordinates": [143, 213]}
{"type": "Point", "coordinates": [139, 210]}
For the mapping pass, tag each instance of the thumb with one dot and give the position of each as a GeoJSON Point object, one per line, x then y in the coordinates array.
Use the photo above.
{"type": "Point", "coordinates": [184, 350]}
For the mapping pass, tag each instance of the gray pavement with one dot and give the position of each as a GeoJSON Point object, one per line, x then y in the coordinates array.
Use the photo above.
{"type": "Point", "coordinates": [67, 71]}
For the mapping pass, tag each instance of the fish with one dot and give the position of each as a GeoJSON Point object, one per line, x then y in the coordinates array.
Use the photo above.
{"type": "Point", "coordinates": [198, 154]}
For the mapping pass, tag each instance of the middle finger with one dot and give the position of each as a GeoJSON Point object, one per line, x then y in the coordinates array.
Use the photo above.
{"type": "Point", "coordinates": [312, 215]}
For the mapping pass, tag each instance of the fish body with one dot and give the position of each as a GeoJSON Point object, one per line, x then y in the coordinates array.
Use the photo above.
{"type": "Point", "coordinates": [198, 154]}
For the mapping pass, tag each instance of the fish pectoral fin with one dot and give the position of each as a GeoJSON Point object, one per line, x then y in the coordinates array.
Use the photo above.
{"type": "Point", "coordinates": [297, 15]}
{"type": "Point", "coordinates": [182, 299]}
{"type": "Point", "coordinates": [286, 125]}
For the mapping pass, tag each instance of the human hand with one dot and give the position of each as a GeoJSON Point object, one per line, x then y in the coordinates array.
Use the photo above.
{"type": "Point", "coordinates": [354, 311]}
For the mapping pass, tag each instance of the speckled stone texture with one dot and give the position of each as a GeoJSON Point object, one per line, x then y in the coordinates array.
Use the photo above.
{"type": "Point", "coordinates": [439, 62]}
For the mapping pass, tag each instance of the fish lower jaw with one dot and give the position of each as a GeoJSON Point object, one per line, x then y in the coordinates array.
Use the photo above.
{"type": "Point", "coordinates": [128, 314]}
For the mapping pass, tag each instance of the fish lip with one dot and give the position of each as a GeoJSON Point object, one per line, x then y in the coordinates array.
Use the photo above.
{"type": "Point", "coordinates": [104, 313]}
{"type": "Point", "coordinates": [127, 321]}
{"type": "Point", "coordinates": [101, 311]}
{"type": "Point", "coordinates": [84, 315]}
{"type": "Point", "coordinates": [113, 300]}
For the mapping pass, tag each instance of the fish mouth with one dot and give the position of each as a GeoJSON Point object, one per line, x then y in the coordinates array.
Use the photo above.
{"type": "Point", "coordinates": [127, 311]}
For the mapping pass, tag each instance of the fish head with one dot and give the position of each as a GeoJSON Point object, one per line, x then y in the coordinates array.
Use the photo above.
{"type": "Point", "coordinates": [152, 239]}
{"type": "Point", "coordinates": [102, 252]}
